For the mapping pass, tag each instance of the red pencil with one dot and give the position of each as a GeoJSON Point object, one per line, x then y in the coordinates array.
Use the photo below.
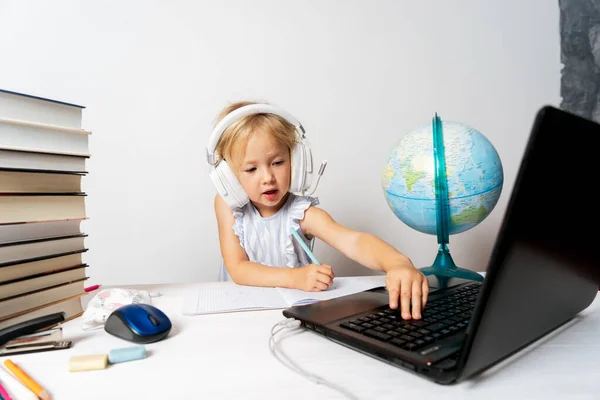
{"type": "Point", "coordinates": [4, 394]}
{"type": "Point", "coordinates": [91, 288]}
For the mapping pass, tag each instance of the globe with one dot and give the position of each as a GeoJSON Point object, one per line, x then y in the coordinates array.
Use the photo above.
{"type": "Point", "coordinates": [474, 178]}
{"type": "Point", "coordinates": [443, 179]}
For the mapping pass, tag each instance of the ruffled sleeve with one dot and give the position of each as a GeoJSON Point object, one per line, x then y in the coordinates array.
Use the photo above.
{"type": "Point", "coordinates": [295, 255]}
{"type": "Point", "coordinates": [238, 225]}
{"type": "Point", "coordinates": [238, 229]}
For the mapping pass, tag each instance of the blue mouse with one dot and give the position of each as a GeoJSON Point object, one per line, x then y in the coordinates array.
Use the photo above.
{"type": "Point", "coordinates": [138, 323]}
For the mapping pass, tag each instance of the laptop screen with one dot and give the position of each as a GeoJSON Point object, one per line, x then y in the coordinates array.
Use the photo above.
{"type": "Point", "coordinates": [543, 269]}
{"type": "Point", "coordinates": [556, 206]}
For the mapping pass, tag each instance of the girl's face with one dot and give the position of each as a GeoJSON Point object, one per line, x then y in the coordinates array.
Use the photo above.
{"type": "Point", "coordinates": [265, 173]}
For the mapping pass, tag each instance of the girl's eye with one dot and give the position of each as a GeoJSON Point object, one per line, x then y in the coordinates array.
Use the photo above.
{"type": "Point", "coordinates": [250, 170]}
{"type": "Point", "coordinates": [278, 162]}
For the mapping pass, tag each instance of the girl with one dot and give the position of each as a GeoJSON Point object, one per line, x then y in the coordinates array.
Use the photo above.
{"type": "Point", "coordinates": [257, 153]}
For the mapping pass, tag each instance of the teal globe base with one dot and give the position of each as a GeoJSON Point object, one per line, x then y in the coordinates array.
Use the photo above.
{"type": "Point", "coordinates": [444, 267]}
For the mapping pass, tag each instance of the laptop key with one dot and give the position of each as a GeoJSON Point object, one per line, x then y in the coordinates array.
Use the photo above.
{"type": "Point", "coordinates": [398, 342]}
{"type": "Point", "coordinates": [352, 327]}
{"type": "Point", "coordinates": [436, 327]}
{"type": "Point", "coordinates": [410, 346]}
{"type": "Point", "coordinates": [377, 335]}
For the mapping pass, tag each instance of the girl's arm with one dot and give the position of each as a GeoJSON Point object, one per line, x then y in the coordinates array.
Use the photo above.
{"type": "Point", "coordinates": [243, 272]}
{"type": "Point", "coordinates": [403, 280]}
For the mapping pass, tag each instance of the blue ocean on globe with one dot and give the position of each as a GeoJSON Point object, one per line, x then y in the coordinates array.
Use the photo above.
{"type": "Point", "coordinates": [474, 178]}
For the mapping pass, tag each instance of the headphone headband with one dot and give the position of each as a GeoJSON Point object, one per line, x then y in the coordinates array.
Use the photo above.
{"type": "Point", "coordinates": [240, 113]}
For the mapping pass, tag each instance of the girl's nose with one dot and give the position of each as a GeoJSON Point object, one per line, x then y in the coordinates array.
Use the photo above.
{"type": "Point", "coordinates": [268, 176]}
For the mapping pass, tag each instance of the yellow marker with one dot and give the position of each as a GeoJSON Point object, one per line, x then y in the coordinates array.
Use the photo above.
{"type": "Point", "coordinates": [26, 380]}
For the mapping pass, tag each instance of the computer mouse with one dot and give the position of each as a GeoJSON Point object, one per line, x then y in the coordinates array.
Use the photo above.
{"type": "Point", "coordinates": [138, 323]}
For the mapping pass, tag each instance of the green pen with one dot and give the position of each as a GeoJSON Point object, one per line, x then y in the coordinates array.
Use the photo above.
{"type": "Point", "coordinates": [306, 249]}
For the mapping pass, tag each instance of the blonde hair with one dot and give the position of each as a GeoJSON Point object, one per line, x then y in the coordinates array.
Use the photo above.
{"type": "Point", "coordinates": [233, 141]}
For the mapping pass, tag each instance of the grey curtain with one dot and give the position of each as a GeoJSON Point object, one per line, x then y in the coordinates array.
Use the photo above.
{"type": "Point", "coordinates": [580, 56]}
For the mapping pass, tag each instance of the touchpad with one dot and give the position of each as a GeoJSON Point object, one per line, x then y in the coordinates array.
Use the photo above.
{"type": "Point", "coordinates": [327, 311]}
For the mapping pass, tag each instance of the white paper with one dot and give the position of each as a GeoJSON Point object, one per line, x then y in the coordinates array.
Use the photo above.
{"type": "Point", "coordinates": [217, 297]}
{"type": "Point", "coordinates": [343, 287]}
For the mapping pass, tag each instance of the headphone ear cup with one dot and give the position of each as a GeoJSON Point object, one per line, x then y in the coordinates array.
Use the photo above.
{"type": "Point", "coordinates": [228, 186]}
{"type": "Point", "coordinates": [297, 184]}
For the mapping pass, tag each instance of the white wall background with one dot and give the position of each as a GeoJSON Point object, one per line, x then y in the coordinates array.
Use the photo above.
{"type": "Point", "coordinates": [358, 74]}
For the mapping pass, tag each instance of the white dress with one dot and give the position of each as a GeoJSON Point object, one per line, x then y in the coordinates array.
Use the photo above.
{"type": "Point", "coordinates": [269, 241]}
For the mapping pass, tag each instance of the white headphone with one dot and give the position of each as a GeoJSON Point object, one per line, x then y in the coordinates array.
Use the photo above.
{"type": "Point", "coordinates": [225, 180]}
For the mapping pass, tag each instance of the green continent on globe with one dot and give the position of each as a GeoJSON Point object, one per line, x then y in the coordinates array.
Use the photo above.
{"type": "Point", "coordinates": [413, 177]}
{"type": "Point", "coordinates": [469, 215]}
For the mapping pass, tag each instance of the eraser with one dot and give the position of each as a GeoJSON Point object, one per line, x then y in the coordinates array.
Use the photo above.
{"type": "Point", "coordinates": [126, 354]}
{"type": "Point", "coordinates": [88, 363]}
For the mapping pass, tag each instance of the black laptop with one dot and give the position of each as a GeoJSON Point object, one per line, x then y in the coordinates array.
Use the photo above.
{"type": "Point", "coordinates": [542, 272]}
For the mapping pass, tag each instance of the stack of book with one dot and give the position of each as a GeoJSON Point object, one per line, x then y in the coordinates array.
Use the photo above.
{"type": "Point", "coordinates": [43, 154]}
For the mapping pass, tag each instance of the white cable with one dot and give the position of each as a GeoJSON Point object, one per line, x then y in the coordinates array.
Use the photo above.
{"type": "Point", "coordinates": [316, 184]}
{"type": "Point", "coordinates": [320, 173]}
{"type": "Point", "coordinates": [278, 353]}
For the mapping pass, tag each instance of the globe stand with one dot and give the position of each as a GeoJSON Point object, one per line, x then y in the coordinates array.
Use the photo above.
{"type": "Point", "coordinates": [443, 266]}
{"type": "Point", "coordinates": [445, 269]}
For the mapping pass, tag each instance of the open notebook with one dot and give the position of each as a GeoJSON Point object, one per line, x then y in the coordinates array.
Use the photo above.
{"type": "Point", "coordinates": [218, 297]}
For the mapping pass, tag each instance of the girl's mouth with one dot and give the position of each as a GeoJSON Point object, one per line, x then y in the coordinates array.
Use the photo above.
{"type": "Point", "coordinates": [271, 194]}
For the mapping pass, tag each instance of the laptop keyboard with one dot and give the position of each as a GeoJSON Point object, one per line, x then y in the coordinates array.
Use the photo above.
{"type": "Point", "coordinates": [441, 318]}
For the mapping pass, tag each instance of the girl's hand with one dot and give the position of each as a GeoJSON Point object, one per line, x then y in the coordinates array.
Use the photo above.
{"type": "Point", "coordinates": [312, 277]}
{"type": "Point", "coordinates": [407, 283]}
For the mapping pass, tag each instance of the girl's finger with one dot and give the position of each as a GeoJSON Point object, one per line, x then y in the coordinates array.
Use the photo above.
{"type": "Point", "coordinates": [325, 269]}
{"type": "Point", "coordinates": [425, 294]}
{"type": "Point", "coordinates": [324, 278]}
{"type": "Point", "coordinates": [393, 292]}
{"type": "Point", "coordinates": [405, 293]}
{"type": "Point", "coordinates": [417, 292]}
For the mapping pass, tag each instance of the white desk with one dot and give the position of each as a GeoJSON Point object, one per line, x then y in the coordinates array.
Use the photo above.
{"type": "Point", "coordinates": [227, 356]}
